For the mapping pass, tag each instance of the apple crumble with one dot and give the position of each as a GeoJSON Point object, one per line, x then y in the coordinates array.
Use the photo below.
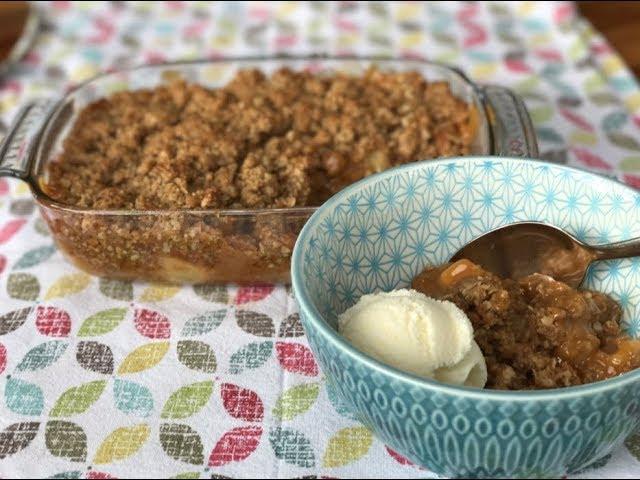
{"type": "Point", "coordinates": [536, 332]}
{"type": "Point", "coordinates": [291, 139]}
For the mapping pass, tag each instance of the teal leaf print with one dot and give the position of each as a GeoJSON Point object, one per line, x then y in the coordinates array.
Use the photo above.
{"type": "Point", "coordinates": [250, 356]}
{"type": "Point", "coordinates": [42, 356]}
{"type": "Point", "coordinates": [292, 447]}
{"type": "Point", "coordinates": [614, 121]}
{"type": "Point", "coordinates": [34, 257]}
{"type": "Point", "coordinates": [132, 398]}
{"type": "Point", "coordinates": [68, 475]}
{"type": "Point", "coordinates": [553, 70]}
{"type": "Point", "coordinates": [66, 440]}
{"type": "Point", "coordinates": [204, 323]}
{"type": "Point", "coordinates": [78, 399]}
{"type": "Point", "coordinates": [23, 397]}
{"type": "Point", "coordinates": [548, 134]}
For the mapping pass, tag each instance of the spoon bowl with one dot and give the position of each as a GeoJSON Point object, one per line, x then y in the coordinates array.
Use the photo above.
{"type": "Point", "coordinates": [524, 248]}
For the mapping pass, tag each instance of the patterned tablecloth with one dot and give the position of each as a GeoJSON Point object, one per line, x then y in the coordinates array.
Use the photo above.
{"type": "Point", "coordinates": [102, 379]}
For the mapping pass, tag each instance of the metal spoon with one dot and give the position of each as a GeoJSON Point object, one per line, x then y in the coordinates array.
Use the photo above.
{"type": "Point", "coordinates": [524, 248]}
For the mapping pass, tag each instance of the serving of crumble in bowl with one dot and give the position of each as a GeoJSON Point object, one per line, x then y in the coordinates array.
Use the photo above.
{"type": "Point", "coordinates": [557, 398]}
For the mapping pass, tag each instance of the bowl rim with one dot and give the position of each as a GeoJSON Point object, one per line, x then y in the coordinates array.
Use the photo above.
{"type": "Point", "coordinates": [317, 321]}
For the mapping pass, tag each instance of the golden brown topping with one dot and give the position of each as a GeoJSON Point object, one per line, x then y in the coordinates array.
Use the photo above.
{"type": "Point", "coordinates": [292, 139]}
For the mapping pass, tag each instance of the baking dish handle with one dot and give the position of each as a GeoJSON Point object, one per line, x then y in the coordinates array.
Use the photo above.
{"type": "Point", "coordinates": [16, 149]}
{"type": "Point", "coordinates": [511, 127]}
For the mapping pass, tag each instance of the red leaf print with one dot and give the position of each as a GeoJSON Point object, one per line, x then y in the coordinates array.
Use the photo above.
{"type": "Point", "coordinates": [412, 55]}
{"type": "Point", "coordinates": [398, 458]}
{"type": "Point", "coordinates": [346, 25]}
{"type": "Point", "coordinates": [61, 5]}
{"type": "Point", "coordinates": [175, 5]}
{"type": "Point", "coordinates": [549, 54]}
{"type": "Point", "coordinates": [3, 357]}
{"type": "Point", "coordinates": [154, 57]}
{"type": "Point", "coordinates": [105, 29]}
{"type": "Point", "coordinates": [467, 11]}
{"type": "Point", "coordinates": [93, 475]}
{"type": "Point", "coordinates": [636, 120]}
{"type": "Point", "coordinates": [260, 13]}
{"type": "Point", "coordinates": [577, 120]}
{"type": "Point", "coordinates": [235, 445]}
{"type": "Point", "coordinates": [590, 159]}
{"type": "Point", "coordinates": [152, 324]}
{"type": "Point", "coordinates": [10, 229]}
{"type": "Point", "coordinates": [242, 403]}
{"type": "Point", "coordinates": [563, 12]}
{"type": "Point", "coordinates": [4, 186]}
{"type": "Point", "coordinates": [11, 86]}
{"type": "Point", "coordinates": [632, 180]}
{"type": "Point", "coordinates": [32, 58]}
{"type": "Point", "coordinates": [195, 29]}
{"type": "Point", "coordinates": [600, 48]}
{"type": "Point", "coordinates": [3, 263]}
{"type": "Point", "coordinates": [517, 65]}
{"type": "Point", "coordinates": [53, 322]}
{"type": "Point", "coordinates": [296, 358]}
{"type": "Point", "coordinates": [477, 35]}
{"type": "Point", "coordinates": [313, 67]}
{"type": "Point", "coordinates": [252, 293]}
{"type": "Point", "coordinates": [283, 41]}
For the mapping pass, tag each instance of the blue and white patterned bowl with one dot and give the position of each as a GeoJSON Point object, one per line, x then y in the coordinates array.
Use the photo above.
{"type": "Point", "coordinates": [377, 234]}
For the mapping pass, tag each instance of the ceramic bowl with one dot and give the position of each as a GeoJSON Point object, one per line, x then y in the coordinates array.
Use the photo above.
{"type": "Point", "coordinates": [377, 234]}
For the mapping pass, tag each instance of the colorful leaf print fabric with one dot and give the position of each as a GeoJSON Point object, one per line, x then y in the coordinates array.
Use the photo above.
{"type": "Point", "coordinates": [104, 378]}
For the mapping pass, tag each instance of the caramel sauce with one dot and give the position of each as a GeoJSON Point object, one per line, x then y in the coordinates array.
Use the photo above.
{"type": "Point", "coordinates": [440, 280]}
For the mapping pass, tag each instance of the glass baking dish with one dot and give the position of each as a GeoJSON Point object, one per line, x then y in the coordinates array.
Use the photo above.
{"type": "Point", "coordinates": [212, 246]}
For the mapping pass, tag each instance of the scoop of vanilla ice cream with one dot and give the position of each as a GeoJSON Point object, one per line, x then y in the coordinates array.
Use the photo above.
{"type": "Point", "coordinates": [418, 334]}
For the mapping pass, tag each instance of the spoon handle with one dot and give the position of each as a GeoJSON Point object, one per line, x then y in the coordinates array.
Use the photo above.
{"type": "Point", "coordinates": [624, 249]}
